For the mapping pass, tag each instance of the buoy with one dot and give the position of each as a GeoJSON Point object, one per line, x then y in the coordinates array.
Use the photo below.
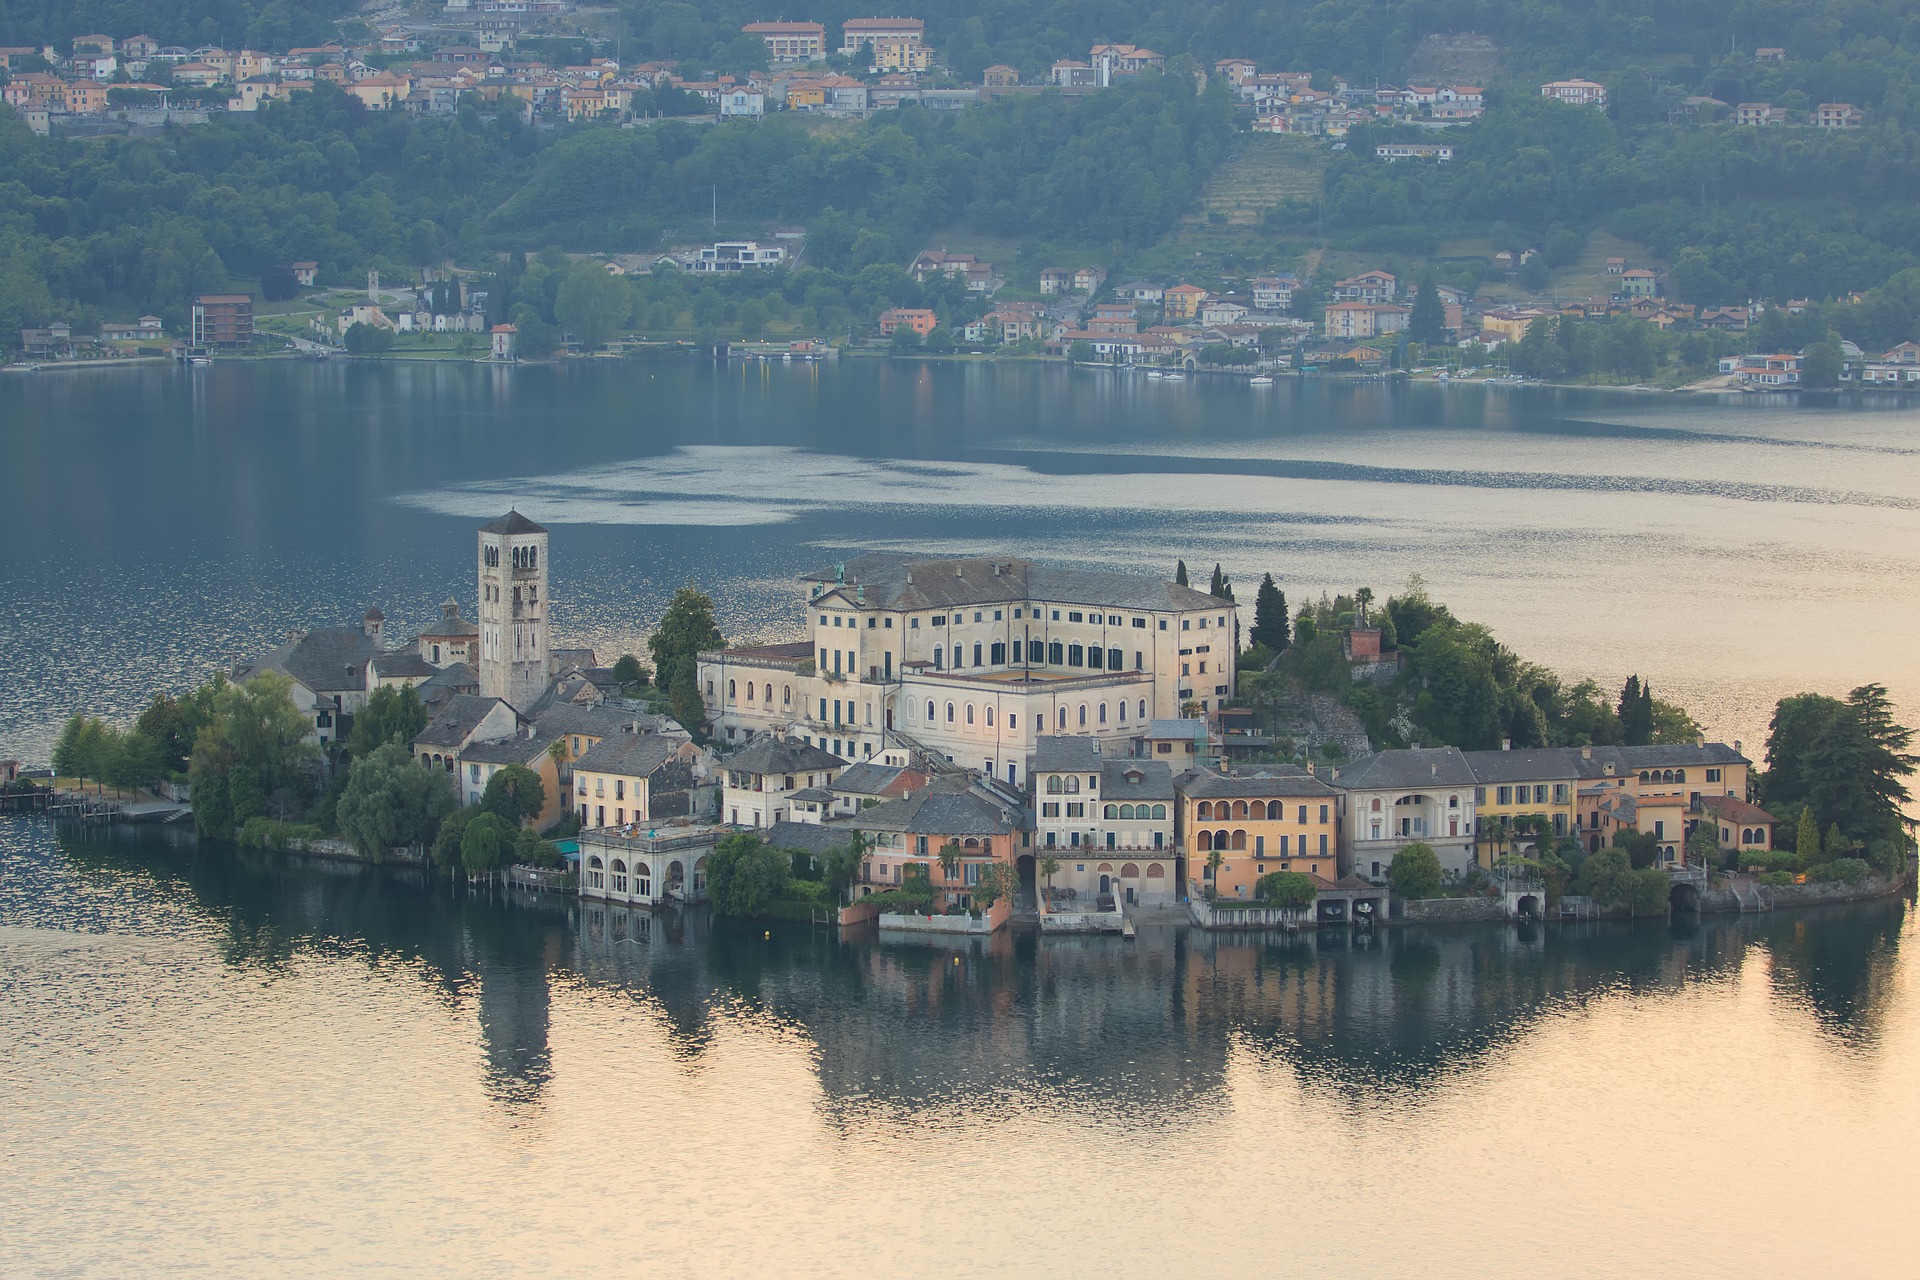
{"type": "Point", "coordinates": [767, 934]}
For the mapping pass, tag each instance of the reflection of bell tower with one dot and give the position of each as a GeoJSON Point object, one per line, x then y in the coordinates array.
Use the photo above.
{"type": "Point", "coordinates": [513, 610]}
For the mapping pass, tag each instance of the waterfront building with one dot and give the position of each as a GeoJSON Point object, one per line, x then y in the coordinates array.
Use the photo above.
{"type": "Point", "coordinates": [634, 779]}
{"type": "Point", "coordinates": [763, 777]}
{"type": "Point", "coordinates": [982, 824]}
{"type": "Point", "coordinates": [973, 660]}
{"type": "Point", "coordinates": [647, 868]}
{"type": "Point", "coordinates": [513, 610]}
{"type": "Point", "coordinates": [1391, 799]}
{"type": "Point", "coordinates": [221, 321]}
{"type": "Point", "coordinates": [1279, 819]}
{"type": "Point", "coordinates": [1108, 820]}
{"type": "Point", "coordinates": [1515, 788]}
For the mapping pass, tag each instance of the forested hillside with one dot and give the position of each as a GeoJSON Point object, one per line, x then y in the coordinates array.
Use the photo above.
{"type": "Point", "coordinates": [256, 24]}
{"type": "Point", "coordinates": [139, 224]}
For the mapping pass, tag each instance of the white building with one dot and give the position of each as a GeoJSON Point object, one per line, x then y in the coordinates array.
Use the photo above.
{"type": "Point", "coordinates": [976, 659]}
{"type": "Point", "coordinates": [737, 255]}
{"type": "Point", "coordinates": [1391, 799]}
{"type": "Point", "coordinates": [761, 780]}
{"type": "Point", "coordinates": [1092, 808]}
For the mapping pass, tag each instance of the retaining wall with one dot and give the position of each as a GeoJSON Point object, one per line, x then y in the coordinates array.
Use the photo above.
{"type": "Point", "coordinates": [1448, 910]}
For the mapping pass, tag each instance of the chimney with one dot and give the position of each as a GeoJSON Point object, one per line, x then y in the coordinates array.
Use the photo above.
{"type": "Point", "coordinates": [1586, 753]}
{"type": "Point", "coordinates": [958, 572]}
{"type": "Point", "coordinates": [1739, 746]}
{"type": "Point", "coordinates": [909, 577]}
{"type": "Point", "coordinates": [1435, 768]}
{"type": "Point", "coordinates": [1310, 770]}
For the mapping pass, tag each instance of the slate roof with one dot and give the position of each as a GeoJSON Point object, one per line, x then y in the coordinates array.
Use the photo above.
{"type": "Point", "coordinates": [898, 580]}
{"type": "Point", "coordinates": [403, 665]}
{"type": "Point", "coordinates": [1679, 755]}
{"type": "Point", "coordinates": [326, 660]}
{"type": "Point", "coordinates": [1407, 767]}
{"type": "Point", "coordinates": [817, 795]}
{"type": "Point", "coordinates": [457, 720]}
{"type": "Point", "coordinates": [1156, 780]}
{"type": "Point", "coordinates": [455, 676]}
{"type": "Point", "coordinates": [630, 755]}
{"type": "Point", "coordinates": [866, 779]}
{"type": "Point", "coordinates": [1061, 754]}
{"type": "Point", "coordinates": [1524, 766]}
{"type": "Point", "coordinates": [1279, 780]}
{"type": "Point", "coordinates": [781, 755]}
{"type": "Point", "coordinates": [560, 718]}
{"type": "Point", "coordinates": [451, 624]}
{"type": "Point", "coordinates": [512, 522]}
{"type": "Point", "coordinates": [817, 838]}
{"type": "Point", "coordinates": [504, 751]}
{"type": "Point", "coordinates": [950, 807]}
{"type": "Point", "coordinates": [1196, 730]}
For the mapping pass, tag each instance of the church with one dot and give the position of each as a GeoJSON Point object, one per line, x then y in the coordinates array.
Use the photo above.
{"type": "Point", "coordinates": [507, 654]}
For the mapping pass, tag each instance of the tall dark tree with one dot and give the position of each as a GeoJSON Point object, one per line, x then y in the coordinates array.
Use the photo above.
{"type": "Point", "coordinates": [1636, 712]}
{"type": "Point", "coordinates": [1221, 587]}
{"type": "Point", "coordinates": [1844, 760]}
{"type": "Point", "coordinates": [1270, 624]}
{"type": "Point", "coordinates": [1180, 573]}
{"type": "Point", "coordinates": [686, 629]}
{"type": "Point", "coordinates": [1428, 323]}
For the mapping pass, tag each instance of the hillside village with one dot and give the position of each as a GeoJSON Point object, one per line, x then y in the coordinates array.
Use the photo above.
{"type": "Point", "coordinates": [1257, 324]}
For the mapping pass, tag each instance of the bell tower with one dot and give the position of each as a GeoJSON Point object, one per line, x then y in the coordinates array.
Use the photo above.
{"type": "Point", "coordinates": [513, 610]}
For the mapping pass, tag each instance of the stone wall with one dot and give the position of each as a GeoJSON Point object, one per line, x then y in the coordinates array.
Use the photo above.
{"type": "Point", "coordinates": [1448, 911]}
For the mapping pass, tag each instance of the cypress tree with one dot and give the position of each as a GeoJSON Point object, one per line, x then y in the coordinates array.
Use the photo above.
{"type": "Point", "coordinates": [1270, 626]}
{"type": "Point", "coordinates": [1180, 573]}
{"type": "Point", "coordinates": [1428, 323]}
{"type": "Point", "coordinates": [1221, 586]}
{"type": "Point", "coordinates": [1806, 844]}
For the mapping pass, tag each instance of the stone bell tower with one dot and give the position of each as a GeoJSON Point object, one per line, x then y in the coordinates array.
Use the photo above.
{"type": "Point", "coordinates": [513, 610]}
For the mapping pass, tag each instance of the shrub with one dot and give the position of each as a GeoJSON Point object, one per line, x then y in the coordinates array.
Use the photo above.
{"type": "Point", "coordinates": [1777, 878]}
{"type": "Point", "coordinates": [1415, 872]}
{"type": "Point", "coordinates": [1647, 890]}
{"type": "Point", "coordinates": [1286, 889]}
{"type": "Point", "coordinates": [1844, 870]}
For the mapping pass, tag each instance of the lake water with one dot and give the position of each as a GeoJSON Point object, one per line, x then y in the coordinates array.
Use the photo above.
{"type": "Point", "coordinates": [158, 522]}
{"type": "Point", "coordinates": [227, 1065]}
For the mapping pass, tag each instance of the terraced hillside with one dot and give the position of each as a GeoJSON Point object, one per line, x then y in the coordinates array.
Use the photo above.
{"type": "Point", "coordinates": [1269, 169]}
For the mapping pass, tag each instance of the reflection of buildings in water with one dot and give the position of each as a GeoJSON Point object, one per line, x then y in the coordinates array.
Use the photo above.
{"type": "Point", "coordinates": [1094, 1027]}
{"type": "Point", "coordinates": [514, 1009]}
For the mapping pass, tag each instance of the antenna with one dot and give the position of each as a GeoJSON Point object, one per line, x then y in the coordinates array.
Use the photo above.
{"type": "Point", "coordinates": [716, 207]}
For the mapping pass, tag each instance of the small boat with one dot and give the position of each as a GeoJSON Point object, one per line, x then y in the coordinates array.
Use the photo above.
{"type": "Point", "coordinates": [199, 359]}
{"type": "Point", "coordinates": [1174, 377]}
{"type": "Point", "coordinates": [1260, 380]}
{"type": "Point", "coordinates": [1155, 373]}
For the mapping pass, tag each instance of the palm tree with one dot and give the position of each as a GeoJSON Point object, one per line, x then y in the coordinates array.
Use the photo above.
{"type": "Point", "coordinates": [1214, 862]}
{"type": "Point", "coordinates": [949, 859]}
